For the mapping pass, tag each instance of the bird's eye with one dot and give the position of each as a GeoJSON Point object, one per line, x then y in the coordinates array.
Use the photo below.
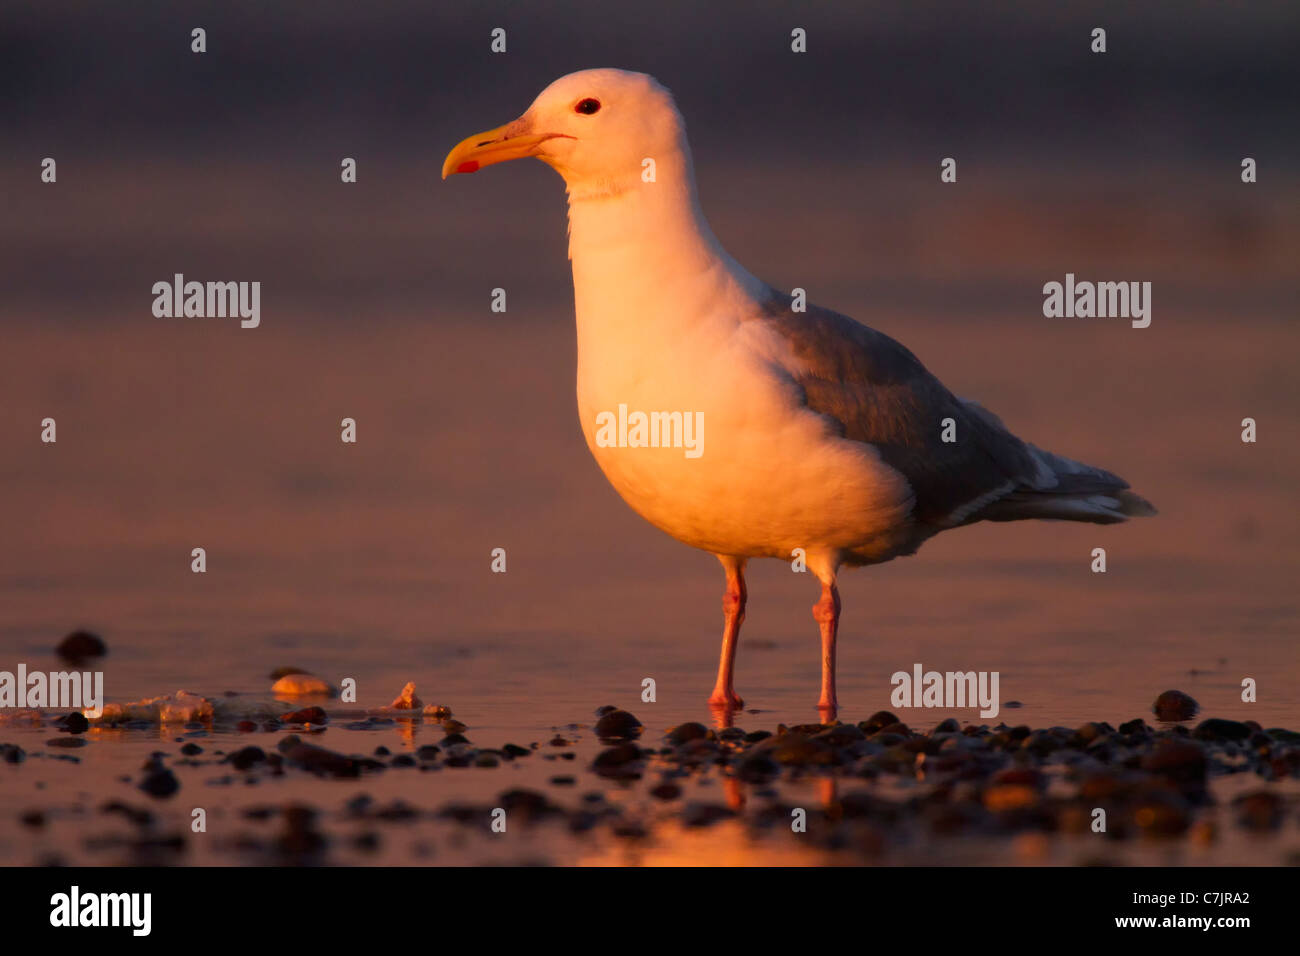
{"type": "Point", "coordinates": [587, 106]}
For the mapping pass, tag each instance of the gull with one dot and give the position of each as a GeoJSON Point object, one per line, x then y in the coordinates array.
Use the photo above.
{"type": "Point", "coordinates": [826, 440]}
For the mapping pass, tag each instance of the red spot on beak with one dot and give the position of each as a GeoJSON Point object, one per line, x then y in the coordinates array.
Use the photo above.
{"type": "Point", "coordinates": [470, 166]}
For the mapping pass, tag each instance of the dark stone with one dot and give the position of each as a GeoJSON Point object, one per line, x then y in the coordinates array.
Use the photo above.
{"type": "Point", "coordinates": [618, 725]}
{"type": "Point", "coordinates": [1259, 810]}
{"type": "Point", "coordinates": [246, 758]}
{"type": "Point", "coordinates": [1179, 761]}
{"type": "Point", "coordinates": [308, 715]}
{"type": "Point", "coordinates": [514, 750]}
{"type": "Point", "coordinates": [684, 732]}
{"type": "Point", "coordinates": [428, 752]}
{"type": "Point", "coordinates": [1218, 729]}
{"type": "Point", "coordinates": [666, 791]}
{"type": "Point", "coordinates": [881, 718]}
{"type": "Point", "coordinates": [66, 742]}
{"type": "Point", "coordinates": [1136, 726]}
{"type": "Point", "coordinates": [757, 768]}
{"type": "Point", "coordinates": [138, 816]}
{"type": "Point", "coordinates": [12, 753]}
{"type": "Point", "coordinates": [704, 814]}
{"type": "Point", "coordinates": [191, 750]}
{"type": "Point", "coordinates": [1174, 705]}
{"type": "Point", "coordinates": [73, 723]}
{"type": "Point", "coordinates": [160, 783]}
{"type": "Point", "coordinates": [80, 646]}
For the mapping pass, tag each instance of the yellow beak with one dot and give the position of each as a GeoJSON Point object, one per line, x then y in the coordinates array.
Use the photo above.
{"type": "Point", "coordinates": [493, 146]}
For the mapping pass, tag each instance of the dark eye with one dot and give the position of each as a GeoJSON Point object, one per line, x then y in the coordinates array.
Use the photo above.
{"type": "Point", "coordinates": [587, 106]}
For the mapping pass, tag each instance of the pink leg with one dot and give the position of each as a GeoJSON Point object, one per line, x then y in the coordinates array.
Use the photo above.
{"type": "Point", "coordinates": [827, 614]}
{"type": "Point", "coordinates": [733, 610]}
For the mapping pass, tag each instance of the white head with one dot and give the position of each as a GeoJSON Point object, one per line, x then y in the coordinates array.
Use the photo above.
{"type": "Point", "coordinates": [595, 128]}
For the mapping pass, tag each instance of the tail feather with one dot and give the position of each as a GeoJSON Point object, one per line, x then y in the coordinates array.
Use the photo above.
{"type": "Point", "coordinates": [1068, 490]}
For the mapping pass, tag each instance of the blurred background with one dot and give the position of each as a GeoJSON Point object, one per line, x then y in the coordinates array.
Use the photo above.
{"type": "Point", "coordinates": [818, 170]}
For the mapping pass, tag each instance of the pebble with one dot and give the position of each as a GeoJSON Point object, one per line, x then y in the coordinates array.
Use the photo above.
{"type": "Point", "coordinates": [73, 723]}
{"type": "Point", "coordinates": [299, 684]}
{"type": "Point", "coordinates": [12, 753]}
{"type": "Point", "coordinates": [1174, 705]}
{"type": "Point", "coordinates": [684, 732]}
{"type": "Point", "coordinates": [160, 783]}
{"type": "Point", "coordinates": [191, 750]}
{"type": "Point", "coordinates": [407, 700]}
{"type": "Point", "coordinates": [1218, 729]}
{"type": "Point", "coordinates": [80, 646]}
{"type": "Point", "coordinates": [618, 725]}
{"type": "Point", "coordinates": [308, 715]}
{"type": "Point", "coordinates": [246, 758]}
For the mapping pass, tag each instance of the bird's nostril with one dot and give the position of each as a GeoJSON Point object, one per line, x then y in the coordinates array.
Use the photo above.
{"type": "Point", "coordinates": [484, 143]}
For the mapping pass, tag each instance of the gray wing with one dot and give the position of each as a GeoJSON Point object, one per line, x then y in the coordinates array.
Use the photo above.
{"type": "Point", "coordinates": [879, 393]}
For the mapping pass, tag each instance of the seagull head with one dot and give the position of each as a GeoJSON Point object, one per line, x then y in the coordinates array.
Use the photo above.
{"type": "Point", "coordinates": [596, 128]}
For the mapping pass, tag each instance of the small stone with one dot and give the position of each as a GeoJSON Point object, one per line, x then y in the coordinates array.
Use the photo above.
{"type": "Point", "coordinates": [66, 743]}
{"type": "Point", "coordinates": [308, 715]}
{"type": "Point", "coordinates": [617, 760]}
{"type": "Point", "coordinates": [285, 672]}
{"type": "Point", "coordinates": [881, 718]}
{"type": "Point", "coordinates": [12, 753]}
{"type": "Point", "coordinates": [1179, 761]}
{"type": "Point", "coordinates": [1259, 810]}
{"type": "Point", "coordinates": [246, 758]}
{"type": "Point", "coordinates": [618, 725]}
{"type": "Point", "coordinates": [191, 750]}
{"type": "Point", "coordinates": [1218, 729]}
{"type": "Point", "coordinates": [514, 750]}
{"type": "Point", "coordinates": [161, 783]}
{"type": "Point", "coordinates": [407, 700]}
{"type": "Point", "coordinates": [1174, 705]}
{"type": "Point", "coordinates": [684, 732]}
{"type": "Point", "coordinates": [73, 723]}
{"type": "Point", "coordinates": [80, 646]}
{"type": "Point", "coordinates": [301, 685]}
{"type": "Point", "coordinates": [666, 791]}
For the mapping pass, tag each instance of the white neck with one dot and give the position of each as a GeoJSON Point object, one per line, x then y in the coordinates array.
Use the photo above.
{"type": "Point", "coordinates": [634, 244]}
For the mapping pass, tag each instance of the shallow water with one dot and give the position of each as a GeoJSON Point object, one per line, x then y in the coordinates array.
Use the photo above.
{"type": "Point", "coordinates": [372, 562]}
